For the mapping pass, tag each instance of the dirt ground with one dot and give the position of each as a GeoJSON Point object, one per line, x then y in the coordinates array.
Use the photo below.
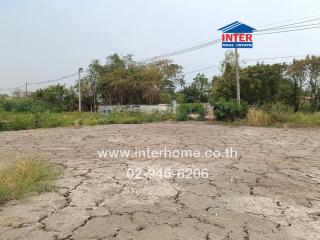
{"type": "Point", "coordinates": [269, 191]}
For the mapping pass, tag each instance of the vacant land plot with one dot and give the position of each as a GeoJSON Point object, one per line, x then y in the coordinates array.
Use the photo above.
{"type": "Point", "coordinates": [270, 190]}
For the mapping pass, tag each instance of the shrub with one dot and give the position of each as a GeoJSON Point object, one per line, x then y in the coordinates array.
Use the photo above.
{"type": "Point", "coordinates": [26, 175]}
{"type": "Point", "coordinates": [229, 110]}
{"type": "Point", "coordinates": [279, 107]}
{"type": "Point", "coordinates": [16, 121]}
{"type": "Point", "coordinates": [185, 109]}
{"type": "Point", "coordinates": [305, 107]}
{"type": "Point", "coordinates": [25, 105]}
{"type": "Point", "coordinates": [282, 114]}
{"type": "Point", "coordinates": [258, 117]}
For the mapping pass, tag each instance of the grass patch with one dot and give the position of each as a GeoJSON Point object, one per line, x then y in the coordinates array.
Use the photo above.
{"type": "Point", "coordinates": [258, 117]}
{"type": "Point", "coordinates": [21, 121]}
{"type": "Point", "coordinates": [276, 117]}
{"type": "Point", "coordinates": [298, 119]}
{"type": "Point", "coordinates": [25, 176]}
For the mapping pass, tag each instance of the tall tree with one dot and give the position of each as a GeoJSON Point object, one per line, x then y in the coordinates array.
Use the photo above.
{"type": "Point", "coordinates": [123, 81]}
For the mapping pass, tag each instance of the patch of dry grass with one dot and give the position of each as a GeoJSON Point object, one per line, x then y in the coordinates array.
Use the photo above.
{"type": "Point", "coordinates": [258, 117]}
{"type": "Point", "coordinates": [25, 176]}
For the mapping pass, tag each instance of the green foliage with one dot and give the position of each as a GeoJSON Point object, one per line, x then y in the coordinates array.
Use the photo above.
{"type": "Point", "coordinates": [125, 117]}
{"type": "Point", "coordinates": [305, 107]}
{"type": "Point", "coordinates": [166, 98]}
{"type": "Point", "coordinates": [267, 83]}
{"type": "Point", "coordinates": [58, 97]}
{"type": "Point", "coordinates": [263, 83]}
{"type": "Point", "coordinates": [299, 119]}
{"type": "Point", "coordinates": [224, 86]}
{"type": "Point", "coordinates": [16, 121]}
{"type": "Point", "coordinates": [180, 97]}
{"type": "Point", "coordinates": [189, 94]}
{"type": "Point", "coordinates": [185, 109]}
{"type": "Point", "coordinates": [26, 105]}
{"type": "Point", "coordinates": [123, 81]}
{"type": "Point", "coordinates": [22, 121]}
{"type": "Point", "coordinates": [229, 110]}
{"type": "Point", "coordinates": [305, 77]}
{"type": "Point", "coordinates": [25, 176]}
{"type": "Point", "coordinates": [279, 114]}
{"type": "Point", "coordinates": [277, 109]}
{"type": "Point", "coordinates": [197, 91]}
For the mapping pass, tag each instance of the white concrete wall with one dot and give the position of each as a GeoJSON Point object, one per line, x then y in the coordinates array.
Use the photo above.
{"type": "Point", "coordinates": [144, 108]}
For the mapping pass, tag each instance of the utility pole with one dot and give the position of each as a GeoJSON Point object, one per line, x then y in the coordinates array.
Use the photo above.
{"type": "Point", "coordinates": [94, 95]}
{"type": "Point", "coordinates": [79, 87]}
{"type": "Point", "coordinates": [26, 89]}
{"type": "Point", "coordinates": [237, 73]}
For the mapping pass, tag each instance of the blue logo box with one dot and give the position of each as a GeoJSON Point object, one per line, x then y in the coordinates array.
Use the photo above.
{"type": "Point", "coordinates": [237, 45]}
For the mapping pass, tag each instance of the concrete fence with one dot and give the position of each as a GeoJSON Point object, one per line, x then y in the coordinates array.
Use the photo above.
{"type": "Point", "coordinates": [143, 108]}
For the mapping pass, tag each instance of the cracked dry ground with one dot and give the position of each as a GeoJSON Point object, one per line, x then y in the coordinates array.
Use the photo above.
{"type": "Point", "coordinates": [274, 192]}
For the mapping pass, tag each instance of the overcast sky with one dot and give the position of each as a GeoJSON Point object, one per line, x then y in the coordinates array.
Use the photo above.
{"type": "Point", "coordinates": [45, 39]}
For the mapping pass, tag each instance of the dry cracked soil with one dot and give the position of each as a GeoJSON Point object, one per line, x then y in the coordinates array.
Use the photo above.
{"type": "Point", "coordinates": [269, 191]}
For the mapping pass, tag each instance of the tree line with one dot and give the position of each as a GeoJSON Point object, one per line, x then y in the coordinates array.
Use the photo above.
{"type": "Point", "coordinates": [296, 84]}
{"type": "Point", "coordinates": [121, 80]}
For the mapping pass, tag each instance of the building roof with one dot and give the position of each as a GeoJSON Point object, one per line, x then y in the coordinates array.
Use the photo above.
{"type": "Point", "coordinates": [237, 27]}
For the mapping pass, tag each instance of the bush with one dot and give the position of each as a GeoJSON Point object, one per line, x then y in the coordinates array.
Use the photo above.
{"type": "Point", "coordinates": [16, 121]}
{"type": "Point", "coordinates": [306, 107]}
{"type": "Point", "coordinates": [185, 109]}
{"type": "Point", "coordinates": [279, 114]}
{"type": "Point", "coordinates": [258, 117]}
{"type": "Point", "coordinates": [229, 110]}
{"type": "Point", "coordinates": [25, 105]}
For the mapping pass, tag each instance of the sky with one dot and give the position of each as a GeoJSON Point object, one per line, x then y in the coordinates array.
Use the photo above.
{"type": "Point", "coordinates": [42, 40]}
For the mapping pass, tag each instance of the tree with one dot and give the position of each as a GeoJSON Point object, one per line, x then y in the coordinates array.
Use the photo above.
{"type": "Point", "coordinates": [123, 81]}
{"type": "Point", "coordinates": [305, 76]}
{"type": "Point", "coordinates": [313, 80]}
{"type": "Point", "coordinates": [224, 86]}
{"type": "Point", "coordinates": [201, 83]}
{"type": "Point", "coordinates": [198, 91]}
{"type": "Point", "coordinates": [263, 83]}
{"type": "Point", "coordinates": [259, 83]}
{"type": "Point", "coordinates": [296, 72]}
{"type": "Point", "coordinates": [172, 75]}
{"type": "Point", "coordinates": [62, 98]}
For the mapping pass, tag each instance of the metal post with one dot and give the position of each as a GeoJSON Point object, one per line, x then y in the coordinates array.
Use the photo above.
{"type": "Point", "coordinates": [79, 87]}
{"type": "Point", "coordinates": [237, 73]}
{"type": "Point", "coordinates": [26, 89]}
{"type": "Point", "coordinates": [94, 95]}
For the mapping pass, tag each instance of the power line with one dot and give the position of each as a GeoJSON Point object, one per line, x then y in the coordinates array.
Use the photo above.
{"type": "Point", "coordinates": [250, 59]}
{"type": "Point", "coordinates": [201, 69]}
{"type": "Point", "coordinates": [54, 80]}
{"type": "Point", "coordinates": [272, 58]}
{"type": "Point", "coordinates": [291, 24]}
{"type": "Point", "coordinates": [182, 51]}
{"type": "Point", "coordinates": [292, 30]}
{"type": "Point", "coordinates": [12, 89]}
{"type": "Point", "coordinates": [263, 32]}
{"type": "Point", "coordinates": [291, 20]}
{"type": "Point", "coordinates": [272, 30]}
{"type": "Point", "coordinates": [295, 26]}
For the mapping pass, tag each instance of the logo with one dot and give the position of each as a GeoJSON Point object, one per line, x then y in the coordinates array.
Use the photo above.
{"type": "Point", "coordinates": [237, 35]}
